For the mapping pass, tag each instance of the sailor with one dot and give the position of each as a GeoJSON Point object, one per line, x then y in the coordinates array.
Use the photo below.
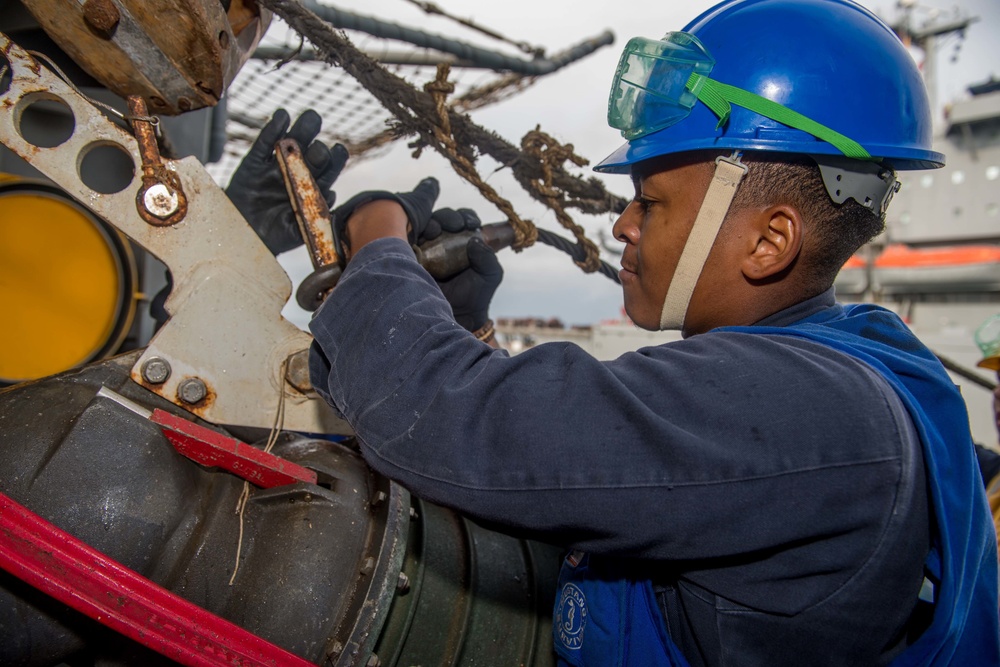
{"type": "Point", "coordinates": [793, 482]}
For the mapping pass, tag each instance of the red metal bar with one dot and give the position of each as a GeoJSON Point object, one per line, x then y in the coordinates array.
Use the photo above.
{"type": "Point", "coordinates": [214, 449]}
{"type": "Point", "coordinates": [62, 566]}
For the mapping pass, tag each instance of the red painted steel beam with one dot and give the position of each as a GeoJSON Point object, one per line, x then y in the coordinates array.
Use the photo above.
{"type": "Point", "coordinates": [211, 448]}
{"type": "Point", "coordinates": [62, 566]}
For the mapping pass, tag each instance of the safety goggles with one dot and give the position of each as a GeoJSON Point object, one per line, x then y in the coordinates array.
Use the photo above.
{"type": "Point", "coordinates": [658, 82]}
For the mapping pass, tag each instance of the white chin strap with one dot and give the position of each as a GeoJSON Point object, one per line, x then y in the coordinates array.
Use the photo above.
{"type": "Point", "coordinates": [729, 171]}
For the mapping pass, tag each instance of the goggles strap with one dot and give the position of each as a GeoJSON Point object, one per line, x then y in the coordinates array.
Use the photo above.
{"type": "Point", "coordinates": [728, 174]}
{"type": "Point", "coordinates": [720, 96]}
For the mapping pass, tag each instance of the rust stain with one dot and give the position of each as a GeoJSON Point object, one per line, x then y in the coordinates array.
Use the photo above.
{"type": "Point", "coordinates": [157, 389]}
{"type": "Point", "coordinates": [185, 33]}
{"type": "Point", "coordinates": [12, 53]}
{"type": "Point", "coordinates": [241, 14]}
{"type": "Point", "coordinates": [154, 172]}
{"type": "Point", "coordinates": [309, 205]}
{"type": "Point", "coordinates": [101, 15]}
{"type": "Point", "coordinates": [202, 407]}
{"type": "Point", "coordinates": [144, 132]}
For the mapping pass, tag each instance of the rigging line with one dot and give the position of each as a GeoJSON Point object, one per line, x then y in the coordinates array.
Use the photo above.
{"type": "Point", "coordinates": [575, 251]}
{"type": "Point", "coordinates": [431, 8]}
{"type": "Point", "coordinates": [412, 108]}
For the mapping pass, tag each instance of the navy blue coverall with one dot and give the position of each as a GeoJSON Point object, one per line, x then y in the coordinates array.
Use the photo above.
{"type": "Point", "coordinates": [773, 488]}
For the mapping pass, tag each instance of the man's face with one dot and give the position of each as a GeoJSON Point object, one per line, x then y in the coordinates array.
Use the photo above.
{"type": "Point", "coordinates": [654, 228]}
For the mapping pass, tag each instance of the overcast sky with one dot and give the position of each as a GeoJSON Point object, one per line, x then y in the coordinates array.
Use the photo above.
{"type": "Point", "coordinates": [571, 106]}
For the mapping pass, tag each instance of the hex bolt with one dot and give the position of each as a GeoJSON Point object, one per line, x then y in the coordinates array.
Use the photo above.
{"type": "Point", "coordinates": [368, 566]}
{"type": "Point", "coordinates": [379, 499]}
{"type": "Point", "coordinates": [403, 584]}
{"type": "Point", "coordinates": [155, 370]}
{"type": "Point", "coordinates": [160, 201]}
{"type": "Point", "coordinates": [192, 390]}
{"type": "Point", "coordinates": [373, 661]}
{"type": "Point", "coordinates": [414, 516]}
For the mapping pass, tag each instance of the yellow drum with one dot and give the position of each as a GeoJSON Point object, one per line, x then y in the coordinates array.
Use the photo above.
{"type": "Point", "coordinates": [67, 283]}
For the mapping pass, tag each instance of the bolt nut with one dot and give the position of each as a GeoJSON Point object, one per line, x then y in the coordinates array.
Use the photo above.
{"type": "Point", "coordinates": [297, 371]}
{"type": "Point", "coordinates": [160, 201]}
{"type": "Point", "coordinates": [155, 370]}
{"type": "Point", "coordinates": [403, 584]}
{"type": "Point", "coordinates": [192, 390]}
{"type": "Point", "coordinates": [373, 661]}
{"type": "Point", "coordinates": [368, 566]}
{"type": "Point", "coordinates": [378, 499]}
{"type": "Point", "coordinates": [101, 15]}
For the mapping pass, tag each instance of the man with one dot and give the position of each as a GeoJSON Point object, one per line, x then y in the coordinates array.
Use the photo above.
{"type": "Point", "coordinates": [794, 482]}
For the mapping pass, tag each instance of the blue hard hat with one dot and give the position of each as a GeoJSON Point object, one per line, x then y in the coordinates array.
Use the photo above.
{"type": "Point", "coordinates": [831, 61]}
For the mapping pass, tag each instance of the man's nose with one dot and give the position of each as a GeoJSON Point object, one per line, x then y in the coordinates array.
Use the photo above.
{"type": "Point", "coordinates": [626, 227]}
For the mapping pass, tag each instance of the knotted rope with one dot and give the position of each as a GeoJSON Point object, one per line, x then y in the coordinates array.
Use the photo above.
{"type": "Point", "coordinates": [525, 232]}
{"type": "Point", "coordinates": [550, 155]}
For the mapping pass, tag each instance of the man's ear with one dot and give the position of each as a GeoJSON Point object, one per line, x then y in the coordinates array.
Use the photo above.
{"type": "Point", "coordinates": [775, 242]}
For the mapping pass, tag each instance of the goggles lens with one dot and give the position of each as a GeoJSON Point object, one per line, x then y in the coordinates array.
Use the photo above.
{"type": "Point", "coordinates": [659, 81]}
{"type": "Point", "coordinates": [650, 90]}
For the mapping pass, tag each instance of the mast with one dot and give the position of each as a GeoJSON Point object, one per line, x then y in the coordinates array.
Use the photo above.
{"type": "Point", "coordinates": [928, 37]}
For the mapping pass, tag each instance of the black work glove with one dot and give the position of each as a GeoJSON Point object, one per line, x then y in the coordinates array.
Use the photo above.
{"type": "Point", "coordinates": [417, 204]}
{"type": "Point", "coordinates": [257, 187]}
{"type": "Point", "coordinates": [449, 220]}
{"type": "Point", "coordinates": [469, 292]}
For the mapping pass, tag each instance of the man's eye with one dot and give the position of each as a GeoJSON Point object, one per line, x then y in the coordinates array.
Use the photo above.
{"type": "Point", "coordinates": [643, 202]}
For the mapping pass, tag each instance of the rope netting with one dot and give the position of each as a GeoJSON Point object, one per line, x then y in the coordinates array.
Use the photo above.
{"type": "Point", "coordinates": [352, 116]}
{"type": "Point", "coordinates": [370, 105]}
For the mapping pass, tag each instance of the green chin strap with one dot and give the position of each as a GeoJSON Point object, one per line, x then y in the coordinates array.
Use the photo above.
{"type": "Point", "coordinates": [719, 97]}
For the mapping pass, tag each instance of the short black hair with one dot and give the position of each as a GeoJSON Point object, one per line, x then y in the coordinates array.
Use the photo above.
{"type": "Point", "coordinates": [834, 231]}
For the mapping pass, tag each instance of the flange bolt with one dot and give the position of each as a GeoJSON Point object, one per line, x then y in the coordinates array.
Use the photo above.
{"type": "Point", "coordinates": [192, 390]}
{"type": "Point", "coordinates": [155, 370]}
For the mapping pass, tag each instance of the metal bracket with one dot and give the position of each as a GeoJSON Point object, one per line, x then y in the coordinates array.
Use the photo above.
{"type": "Point", "coordinates": [226, 330]}
{"type": "Point", "coordinates": [868, 183]}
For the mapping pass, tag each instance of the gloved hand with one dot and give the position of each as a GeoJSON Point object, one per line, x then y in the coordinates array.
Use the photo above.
{"type": "Point", "coordinates": [417, 204]}
{"type": "Point", "coordinates": [258, 189]}
{"type": "Point", "coordinates": [469, 292]}
{"type": "Point", "coordinates": [448, 220]}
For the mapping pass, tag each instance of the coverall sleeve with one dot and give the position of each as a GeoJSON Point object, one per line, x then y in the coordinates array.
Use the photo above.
{"type": "Point", "coordinates": [673, 452]}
